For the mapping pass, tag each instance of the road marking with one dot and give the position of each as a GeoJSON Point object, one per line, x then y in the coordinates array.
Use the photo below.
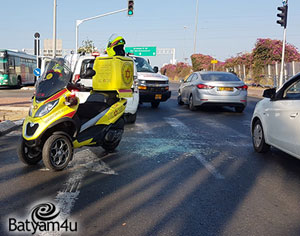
{"type": "Point", "coordinates": [143, 128]}
{"type": "Point", "coordinates": [83, 162]}
{"type": "Point", "coordinates": [208, 166]}
{"type": "Point", "coordinates": [14, 133]}
{"type": "Point", "coordinates": [183, 129]}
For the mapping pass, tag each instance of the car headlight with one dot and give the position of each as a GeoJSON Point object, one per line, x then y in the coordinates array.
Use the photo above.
{"type": "Point", "coordinates": [142, 82]}
{"type": "Point", "coordinates": [45, 109]}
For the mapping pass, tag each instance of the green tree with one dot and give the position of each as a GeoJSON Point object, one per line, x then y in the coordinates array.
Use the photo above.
{"type": "Point", "coordinates": [267, 52]}
{"type": "Point", "coordinates": [87, 46]}
{"type": "Point", "coordinates": [201, 62]}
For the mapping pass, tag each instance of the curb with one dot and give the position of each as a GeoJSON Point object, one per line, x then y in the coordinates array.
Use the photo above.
{"type": "Point", "coordinates": [8, 126]}
{"type": "Point", "coordinates": [28, 88]}
{"type": "Point", "coordinates": [10, 108]}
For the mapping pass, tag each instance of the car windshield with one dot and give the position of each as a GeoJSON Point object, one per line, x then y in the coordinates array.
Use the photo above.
{"type": "Point", "coordinates": [142, 65]}
{"type": "Point", "coordinates": [55, 77]}
{"type": "Point", "coordinates": [219, 77]}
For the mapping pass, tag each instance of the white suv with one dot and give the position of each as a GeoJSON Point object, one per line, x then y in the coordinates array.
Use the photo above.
{"type": "Point", "coordinates": [87, 61]}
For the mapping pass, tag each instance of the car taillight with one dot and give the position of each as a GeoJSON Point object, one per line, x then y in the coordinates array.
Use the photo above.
{"type": "Point", "coordinates": [244, 88]}
{"type": "Point", "coordinates": [204, 86]}
{"type": "Point", "coordinates": [77, 77]}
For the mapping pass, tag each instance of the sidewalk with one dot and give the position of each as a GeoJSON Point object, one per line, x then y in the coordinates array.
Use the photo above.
{"type": "Point", "coordinates": [255, 92]}
{"type": "Point", "coordinates": [14, 108]}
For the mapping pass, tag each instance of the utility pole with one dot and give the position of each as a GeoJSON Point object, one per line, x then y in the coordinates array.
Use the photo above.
{"type": "Point", "coordinates": [184, 48]}
{"type": "Point", "coordinates": [54, 29]}
{"type": "Point", "coordinates": [283, 23]}
{"type": "Point", "coordinates": [196, 26]}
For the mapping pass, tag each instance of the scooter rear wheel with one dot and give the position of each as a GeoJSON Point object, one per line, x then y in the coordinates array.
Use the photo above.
{"type": "Point", "coordinates": [27, 155]}
{"type": "Point", "coordinates": [57, 152]}
{"type": "Point", "coordinates": [110, 146]}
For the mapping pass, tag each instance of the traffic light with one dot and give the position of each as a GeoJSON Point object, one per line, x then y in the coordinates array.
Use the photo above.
{"type": "Point", "coordinates": [282, 15]}
{"type": "Point", "coordinates": [130, 7]}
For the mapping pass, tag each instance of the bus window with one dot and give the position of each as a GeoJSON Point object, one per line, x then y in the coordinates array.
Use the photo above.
{"type": "Point", "coordinates": [2, 65]}
{"type": "Point", "coordinates": [11, 63]}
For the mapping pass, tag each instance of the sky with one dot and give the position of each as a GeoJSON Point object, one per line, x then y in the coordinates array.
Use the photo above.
{"type": "Point", "coordinates": [225, 28]}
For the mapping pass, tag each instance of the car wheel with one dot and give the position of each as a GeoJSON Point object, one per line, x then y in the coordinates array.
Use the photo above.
{"type": "Point", "coordinates": [19, 82]}
{"type": "Point", "coordinates": [130, 118]}
{"type": "Point", "coordinates": [258, 138]}
{"type": "Point", "coordinates": [154, 104]}
{"type": "Point", "coordinates": [179, 101]}
{"type": "Point", "coordinates": [29, 156]}
{"type": "Point", "coordinates": [191, 103]}
{"type": "Point", "coordinates": [57, 152]}
{"type": "Point", "coordinates": [239, 109]}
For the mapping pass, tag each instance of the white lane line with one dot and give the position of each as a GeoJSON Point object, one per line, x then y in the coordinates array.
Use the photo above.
{"type": "Point", "coordinates": [180, 127]}
{"type": "Point", "coordinates": [143, 128]}
{"type": "Point", "coordinates": [183, 129]}
{"type": "Point", "coordinates": [208, 166]}
{"type": "Point", "coordinates": [83, 162]}
{"type": "Point", "coordinates": [14, 133]}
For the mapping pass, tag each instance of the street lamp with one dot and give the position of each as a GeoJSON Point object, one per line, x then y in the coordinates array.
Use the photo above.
{"type": "Point", "coordinates": [184, 48]}
{"type": "Point", "coordinates": [196, 26]}
{"type": "Point", "coordinates": [54, 30]}
{"type": "Point", "coordinates": [78, 22]}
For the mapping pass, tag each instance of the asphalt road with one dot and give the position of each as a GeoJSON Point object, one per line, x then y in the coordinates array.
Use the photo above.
{"type": "Point", "coordinates": [176, 172]}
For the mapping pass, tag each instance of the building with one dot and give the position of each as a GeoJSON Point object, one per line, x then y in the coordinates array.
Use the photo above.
{"type": "Point", "coordinates": [48, 48]}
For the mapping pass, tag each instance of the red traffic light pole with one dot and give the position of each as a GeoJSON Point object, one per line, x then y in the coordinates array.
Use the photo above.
{"type": "Point", "coordinates": [283, 22]}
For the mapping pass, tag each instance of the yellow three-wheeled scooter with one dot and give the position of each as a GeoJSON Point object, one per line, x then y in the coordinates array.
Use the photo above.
{"type": "Point", "coordinates": [57, 123]}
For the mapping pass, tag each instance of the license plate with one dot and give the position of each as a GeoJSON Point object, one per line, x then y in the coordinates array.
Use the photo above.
{"type": "Point", "coordinates": [225, 89]}
{"type": "Point", "coordinates": [157, 96]}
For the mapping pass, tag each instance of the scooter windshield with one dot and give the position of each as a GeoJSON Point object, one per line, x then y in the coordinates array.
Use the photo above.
{"type": "Point", "coordinates": [55, 77]}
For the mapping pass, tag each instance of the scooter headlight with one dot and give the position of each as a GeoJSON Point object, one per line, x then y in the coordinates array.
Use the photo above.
{"type": "Point", "coordinates": [45, 109]}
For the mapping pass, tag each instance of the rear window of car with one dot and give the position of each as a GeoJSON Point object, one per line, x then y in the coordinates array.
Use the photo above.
{"type": "Point", "coordinates": [88, 63]}
{"type": "Point", "coordinates": [220, 77]}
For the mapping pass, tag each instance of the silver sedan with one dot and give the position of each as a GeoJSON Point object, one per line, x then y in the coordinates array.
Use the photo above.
{"type": "Point", "coordinates": [213, 88]}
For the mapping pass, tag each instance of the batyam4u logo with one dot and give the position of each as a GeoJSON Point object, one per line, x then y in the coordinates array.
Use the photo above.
{"type": "Point", "coordinates": [44, 218]}
{"type": "Point", "coordinates": [127, 73]}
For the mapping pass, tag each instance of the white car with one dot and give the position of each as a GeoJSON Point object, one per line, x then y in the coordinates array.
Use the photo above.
{"type": "Point", "coordinates": [276, 119]}
{"type": "Point", "coordinates": [153, 87]}
{"type": "Point", "coordinates": [87, 61]}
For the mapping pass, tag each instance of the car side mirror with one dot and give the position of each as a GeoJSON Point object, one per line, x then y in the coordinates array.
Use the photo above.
{"type": "Point", "coordinates": [269, 93]}
{"type": "Point", "coordinates": [181, 81]}
{"type": "Point", "coordinates": [88, 74]}
{"type": "Point", "coordinates": [155, 68]}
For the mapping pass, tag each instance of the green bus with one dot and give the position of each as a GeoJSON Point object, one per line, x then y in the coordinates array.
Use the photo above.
{"type": "Point", "coordinates": [16, 68]}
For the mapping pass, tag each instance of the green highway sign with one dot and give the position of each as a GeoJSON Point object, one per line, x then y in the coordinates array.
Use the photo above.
{"type": "Point", "coordinates": [141, 51]}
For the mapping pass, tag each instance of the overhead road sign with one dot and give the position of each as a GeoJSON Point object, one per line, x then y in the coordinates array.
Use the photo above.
{"type": "Point", "coordinates": [141, 51]}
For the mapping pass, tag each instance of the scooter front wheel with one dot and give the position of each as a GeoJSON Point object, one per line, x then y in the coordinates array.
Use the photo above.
{"type": "Point", "coordinates": [57, 152]}
{"type": "Point", "coordinates": [28, 155]}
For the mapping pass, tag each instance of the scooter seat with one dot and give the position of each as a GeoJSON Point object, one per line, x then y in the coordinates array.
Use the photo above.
{"type": "Point", "coordinates": [98, 97]}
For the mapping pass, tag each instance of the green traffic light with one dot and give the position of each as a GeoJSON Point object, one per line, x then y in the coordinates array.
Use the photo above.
{"type": "Point", "coordinates": [130, 13]}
